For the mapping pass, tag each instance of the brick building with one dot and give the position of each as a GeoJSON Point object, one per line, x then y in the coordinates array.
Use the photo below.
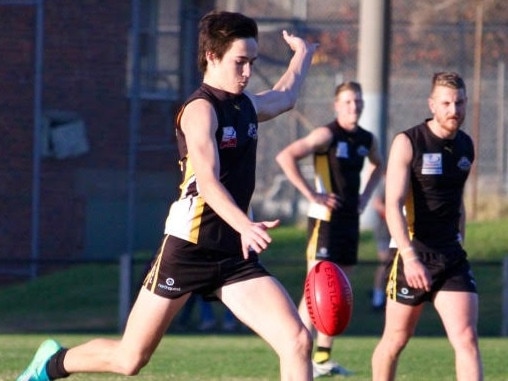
{"type": "Point", "coordinates": [80, 202]}
{"type": "Point", "coordinates": [76, 195]}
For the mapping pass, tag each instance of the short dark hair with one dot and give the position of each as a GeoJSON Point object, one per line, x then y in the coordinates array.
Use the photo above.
{"type": "Point", "coordinates": [218, 30]}
{"type": "Point", "coordinates": [350, 85]}
{"type": "Point", "coordinates": [448, 79]}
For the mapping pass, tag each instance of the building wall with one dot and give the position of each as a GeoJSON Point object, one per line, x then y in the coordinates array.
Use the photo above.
{"type": "Point", "coordinates": [16, 121]}
{"type": "Point", "coordinates": [84, 72]}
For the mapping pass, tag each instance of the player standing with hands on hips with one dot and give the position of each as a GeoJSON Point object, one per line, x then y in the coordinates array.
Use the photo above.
{"type": "Point", "coordinates": [210, 245]}
{"type": "Point", "coordinates": [339, 150]}
{"type": "Point", "coordinates": [427, 170]}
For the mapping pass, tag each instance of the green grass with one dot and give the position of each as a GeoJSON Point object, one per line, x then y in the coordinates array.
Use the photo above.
{"type": "Point", "coordinates": [72, 303]}
{"type": "Point", "coordinates": [83, 298]}
{"type": "Point", "coordinates": [248, 358]}
{"type": "Point", "coordinates": [486, 243]}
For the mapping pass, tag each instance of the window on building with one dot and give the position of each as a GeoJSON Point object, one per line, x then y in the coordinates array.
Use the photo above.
{"type": "Point", "coordinates": [159, 50]}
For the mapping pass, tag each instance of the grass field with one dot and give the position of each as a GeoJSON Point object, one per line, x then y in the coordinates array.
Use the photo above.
{"type": "Point", "coordinates": [248, 358]}
{"type": "Point", "coordinates": [72, 303]}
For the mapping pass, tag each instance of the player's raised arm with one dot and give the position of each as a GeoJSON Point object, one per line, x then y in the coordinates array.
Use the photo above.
{"type": "Point", "coordinates": [282, 97]}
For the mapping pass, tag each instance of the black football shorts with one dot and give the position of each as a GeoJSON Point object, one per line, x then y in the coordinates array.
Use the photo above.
{"type": "Point", "coordinates": [333, 241]}
{"type": "Point", "coordinates": [181, 267]}
{"type": "Point", "coordinates": [449, 268]}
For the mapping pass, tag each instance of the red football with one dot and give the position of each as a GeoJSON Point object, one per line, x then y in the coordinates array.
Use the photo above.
{"type": "Point", "coordinates": [329, 298]}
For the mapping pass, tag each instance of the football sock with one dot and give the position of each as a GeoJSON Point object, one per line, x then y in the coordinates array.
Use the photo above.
{"type": "Point", "coordinates": [322, 354]}
{"type": "Point", "coordinates": [55, 368]}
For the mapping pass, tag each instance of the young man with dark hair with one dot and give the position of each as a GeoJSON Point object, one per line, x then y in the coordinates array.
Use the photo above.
{"type": "Point", "coordinates": [210, 246]}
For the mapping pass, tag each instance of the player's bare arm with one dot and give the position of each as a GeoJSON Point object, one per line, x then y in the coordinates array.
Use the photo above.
{"type": "Point", "coordinates": [199, 124]}
{"type": "Point", "coordinates": [397, 185]}
{"type": "Point", "coordinates": [317, 141]}
{"type": "Point", "coordinates": [282, 97]}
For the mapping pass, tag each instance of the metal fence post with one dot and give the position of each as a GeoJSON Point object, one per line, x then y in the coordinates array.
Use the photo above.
{"type": "Point", "coordinates": [124, 290]}
{"type": "Point", "coordinates": [504, 317]}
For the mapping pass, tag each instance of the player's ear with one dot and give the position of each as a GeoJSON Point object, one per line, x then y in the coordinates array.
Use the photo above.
{"type": "Point", "coordinates": [210, 58]}
{"type": "Point", "coordinates": [431, 104]}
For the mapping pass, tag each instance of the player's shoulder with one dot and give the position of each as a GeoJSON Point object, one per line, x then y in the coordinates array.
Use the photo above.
{"type": "Point", "coordinates": [462, 135]}
{"type": "Point", "coordinates": [363, 131]}
{"type": "Point", "coordinates": [320, 135]}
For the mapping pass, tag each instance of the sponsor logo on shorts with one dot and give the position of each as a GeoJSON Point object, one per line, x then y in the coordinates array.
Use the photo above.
{"type": "Point", "coordinates": [168, 285]}
{"type": "Point", "coordinates": [404, 294]}
{"type": "Point", "coordinates": [322, 253]}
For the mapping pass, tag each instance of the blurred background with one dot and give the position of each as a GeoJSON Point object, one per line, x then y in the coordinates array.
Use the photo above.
{"type": "Point", "coordinates": [89, 90]}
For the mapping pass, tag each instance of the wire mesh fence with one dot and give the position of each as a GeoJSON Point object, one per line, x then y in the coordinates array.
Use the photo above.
{"type": "Point", "coordinates": [426, 37]}
{"type": "Point", "coordinates": [85, 297]}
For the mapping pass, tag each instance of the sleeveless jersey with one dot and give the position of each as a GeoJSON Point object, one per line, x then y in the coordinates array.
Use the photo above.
{"type": "Point", "coordinates": [339, 168]}
{"type": "Point", "coordinates": [190, 218]}
{"type": "Point", "coordinates": [439, 170]}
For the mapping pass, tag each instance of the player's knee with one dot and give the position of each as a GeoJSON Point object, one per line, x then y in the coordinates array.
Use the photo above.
{"type": "Point", "coordinates": [132, 363]}
{"type": "Point", "coordinates": [465, 340]}
{"type": "Point", "coordinates": [304, 342]}
{"type": "Point", "coordinates": [395, 342]}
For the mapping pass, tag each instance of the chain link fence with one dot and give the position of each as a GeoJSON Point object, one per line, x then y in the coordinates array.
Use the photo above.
{"type": "Point", "coordinates": [427, 37]}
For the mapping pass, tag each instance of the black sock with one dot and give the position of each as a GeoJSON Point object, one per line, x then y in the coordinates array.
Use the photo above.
{"type": "Point", "coordinates": [55, 368]}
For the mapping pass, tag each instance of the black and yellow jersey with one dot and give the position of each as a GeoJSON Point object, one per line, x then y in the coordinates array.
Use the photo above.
{"type": "Point", "coordinates": [439, 170]}
{"type": "Point", "coordinates": [190, 218]}
{"type": "Point", "coordinates": [340, 166]}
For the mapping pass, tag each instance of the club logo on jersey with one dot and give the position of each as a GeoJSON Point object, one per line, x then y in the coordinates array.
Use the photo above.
{"type": "Point", "coordinates": [228, 137]}
{"type": "Point", "coordinates": [464, 164]}
{"type": "Point", "coordinates": [362, 151]}
{"type": "Point", "coordinates": [342, 150]}
{"type": "Point", "coordinates": [252, 132]}
{"type": "Point", "coordinates": [432, 164]}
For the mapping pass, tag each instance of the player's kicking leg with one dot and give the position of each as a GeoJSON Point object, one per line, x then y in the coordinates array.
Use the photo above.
{"type": "Point", "coordinates": [147, 323]}
{"type": "Point", "coordinates": [264, 306]}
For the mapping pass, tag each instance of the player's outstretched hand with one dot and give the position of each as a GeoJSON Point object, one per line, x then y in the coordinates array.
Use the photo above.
{"type": "Point", "coordinates": [297, 43]}
{"type": "Point", "coordinates": [255, 237]}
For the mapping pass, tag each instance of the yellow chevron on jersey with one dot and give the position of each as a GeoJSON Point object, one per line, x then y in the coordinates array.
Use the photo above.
{"type": "Point", "coordinates": [409, 212]}
{"type": "Point", "coordinates": [190, 218]}
{"type": "Point", "coordinates": [322, 173]}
